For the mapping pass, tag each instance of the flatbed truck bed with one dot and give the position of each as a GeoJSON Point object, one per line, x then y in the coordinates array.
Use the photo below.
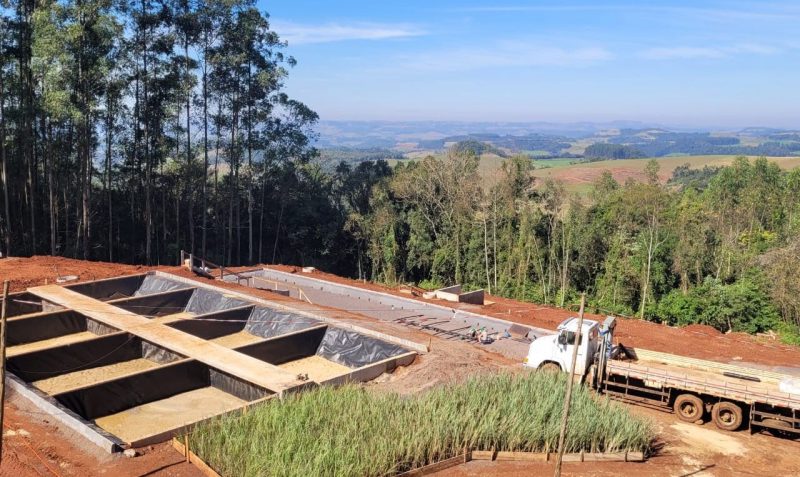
{"type": "Point", "coordinates": [746, 397]}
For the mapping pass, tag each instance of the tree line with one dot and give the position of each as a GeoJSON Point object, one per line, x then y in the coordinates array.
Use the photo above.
{"type": "Point", "coordinates": [130, 129]}
{"type": "Point", "coordinates": [720, 250]}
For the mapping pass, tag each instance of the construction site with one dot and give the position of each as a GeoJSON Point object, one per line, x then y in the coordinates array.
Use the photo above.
{"type": "Point", "coordinates": [106, 361]}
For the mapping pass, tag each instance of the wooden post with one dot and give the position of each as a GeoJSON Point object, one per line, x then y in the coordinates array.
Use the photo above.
{"type": "Point", "coordinates": [3, 362]}
{"type": "Point", "coordinates": [571, 377]}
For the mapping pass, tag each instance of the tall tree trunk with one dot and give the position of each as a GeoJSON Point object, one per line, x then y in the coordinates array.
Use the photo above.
{"type": "Point", "coordinates": [3, 163]}
{"type": "Point", "coordinates": [217, 222]}
{"type": "Point", "coordinates": [26, 131]}
{"type": "Point", "coordinates": [109, 129]}
{"type": "Point", "coordinates": [148, 206]}
{"type": "Point", "coordinates": [190, 182]}
{"type": "Point", "coordinates": [204, 175]}
{"type": "Point", "coordinates": [232, 179]}
{"type": "Point", "coordinates": [249, 167]}
{"type": "Point", "coordinates": [50, 195]}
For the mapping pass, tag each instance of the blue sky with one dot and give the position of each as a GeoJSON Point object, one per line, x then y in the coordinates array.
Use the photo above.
{"type": "Point", "coordinates": [693, 64]}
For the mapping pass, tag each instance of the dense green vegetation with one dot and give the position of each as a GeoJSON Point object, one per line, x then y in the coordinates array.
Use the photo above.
{"type": "Point", "coordinates": [351, 431]}
{"type": "Point", "coordinates": [715, 251]}
{"type": "Point", "coordinates": [602, 151]}
{"type": "Point", "coordinates": [332, 157]}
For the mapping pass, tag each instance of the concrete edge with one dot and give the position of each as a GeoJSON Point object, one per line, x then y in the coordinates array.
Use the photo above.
{"type": "Point", "coordinates": [420, 348]}
{"type": "Point", "coordinates": [64, 418]}
{"type": "Point", "coordinates": [540, 331]}
{"type": "Point", "coordinates": [372, 371]}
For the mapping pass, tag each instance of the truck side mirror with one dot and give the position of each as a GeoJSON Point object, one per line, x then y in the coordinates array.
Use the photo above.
{"type": "Point", "coordinates": [562, 339]}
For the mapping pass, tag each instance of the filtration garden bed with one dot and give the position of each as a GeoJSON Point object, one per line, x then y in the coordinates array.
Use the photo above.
{"type": "Point", "coordinates": [139, 358]}
{"type": "Point", "coordinates": [352, 431]}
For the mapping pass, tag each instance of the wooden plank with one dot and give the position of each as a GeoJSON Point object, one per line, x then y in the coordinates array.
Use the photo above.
{"type": "Point", "coordinates": [706, 365]}
{"type": "Point", "coordinates": [219, 357]}
{"type": "Point", "coordinates": [192, 458]}
{"type": "Point", "coordinates": [437, 466]}
{"type": "Point", "coordinates": [571, 457]}
{"type": "Point", "coordinates": [706, 383]}
{"type": "Point", "coordinates": [522, 456]}
{"type": "Point", "coordinates": [482, 455]}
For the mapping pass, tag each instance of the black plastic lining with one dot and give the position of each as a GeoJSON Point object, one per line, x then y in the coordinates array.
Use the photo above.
{"type": "Point", "coordinates": [23, 303]}
{"type": "Point", "coordinates": [157, 354]}
{"type": "Point", "coordinates": [207, 301]}
{"type": "Point", "coordinates": [238, 387]}
{"type": "Point", "coordinates": [43, 327]}
{"type": "Point", "coordinates": [229, 322]}
{"type": "Point", "coordinates": [355, 350]}
{"type": "Point", "coordinates": [286, 348]}
{"type": "Point", "coordinates": [64, 359]}
{"type": "Point", "coordinates": [131, 391]}
{"type": "Point", "coordinates": [153, 284]}
{"type": "Point", "coordinates": [266, 322]}
{"type": "Point", "coordinates": [157, 305]}
{"type": "Point", "coordinates": [110, 289]}
{"type": "Point", "coordinates": [100, 329]}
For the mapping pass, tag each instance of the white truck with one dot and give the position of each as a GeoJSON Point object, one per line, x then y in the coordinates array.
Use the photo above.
{"type": "Point", "coordinates": [734, 397]}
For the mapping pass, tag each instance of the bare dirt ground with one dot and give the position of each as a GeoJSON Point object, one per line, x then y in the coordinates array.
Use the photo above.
{"type": "Point", "coordinates": [37, 446]}
{"type": "Point", "coordinates": [695, 341]}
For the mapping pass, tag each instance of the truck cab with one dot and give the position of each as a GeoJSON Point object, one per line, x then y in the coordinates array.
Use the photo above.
{"type": "Point", "coordinates": [554, 352]}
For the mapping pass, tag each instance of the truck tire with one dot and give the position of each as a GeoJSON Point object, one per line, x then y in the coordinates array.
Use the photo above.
{"type": "Point", "coordinates": [689, 408]}
{"type": "Point", "coordinates": [727, 415]}
{"type": "Point", "coordinates": [550, 368]}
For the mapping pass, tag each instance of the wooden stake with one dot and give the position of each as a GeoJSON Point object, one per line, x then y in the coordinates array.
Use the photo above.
{"type": "Point", "coordinates": [3, 362]}
{"type": "Point", "coordinates": [571, 373]}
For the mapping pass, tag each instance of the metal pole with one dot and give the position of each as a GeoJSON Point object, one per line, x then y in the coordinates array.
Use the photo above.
{"type": "Point", "coordinates": [568, 398]}
{"type": "Point", "coordinates": [3, 362]}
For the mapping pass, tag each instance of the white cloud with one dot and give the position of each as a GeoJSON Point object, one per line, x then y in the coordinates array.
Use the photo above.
{"type": "Point", "coordinates": [708, 52]}
{"type": "Point", "coordinates": [299, 34]}
{"type": "Point", "coordinates": [507, 54]}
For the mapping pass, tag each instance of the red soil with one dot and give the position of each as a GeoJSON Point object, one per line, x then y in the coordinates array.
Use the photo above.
{"type": "Point", "coordinates": [697, 341]}
{"type": "Point", "coordinates": [34, 271]}
{"type": "Point", "coordinates": [34, 447]}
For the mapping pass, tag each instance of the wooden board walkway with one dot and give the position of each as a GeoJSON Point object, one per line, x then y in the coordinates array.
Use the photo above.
{"type": "Point", "coordinates": [255, 371]}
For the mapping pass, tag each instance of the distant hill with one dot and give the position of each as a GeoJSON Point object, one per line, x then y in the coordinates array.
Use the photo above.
{"type": "Point", "coordinates": [346, 140]}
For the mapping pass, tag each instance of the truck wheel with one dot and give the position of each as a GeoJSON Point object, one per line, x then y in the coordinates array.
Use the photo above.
{"type": "Point", "coordinates": [550, 368]}
{"type": "Point", "coordinates": [727, 415]}
{"type": "Point", "coordinates": [689, 408]}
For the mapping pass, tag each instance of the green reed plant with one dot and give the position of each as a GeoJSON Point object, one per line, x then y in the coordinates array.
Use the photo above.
{"type": "Point", "coordinates": [349, 431]}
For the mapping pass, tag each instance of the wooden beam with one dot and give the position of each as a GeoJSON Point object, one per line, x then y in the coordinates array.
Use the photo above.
{"type": "Point", "coordinates": [219, 357]}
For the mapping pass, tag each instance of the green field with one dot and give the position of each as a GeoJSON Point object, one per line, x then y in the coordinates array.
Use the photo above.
{"type": "Point", "coordinates": [579, 177]}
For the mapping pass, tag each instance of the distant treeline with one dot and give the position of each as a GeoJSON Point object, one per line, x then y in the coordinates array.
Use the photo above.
{"type": "Point", "coordinates": [602, 151]}
{"type": "Point", "coordinates": [628, 144]}
{"type": "Point", "coordinates": [554, 146]}
{"type": "Point", "coordinates": [330, 157]}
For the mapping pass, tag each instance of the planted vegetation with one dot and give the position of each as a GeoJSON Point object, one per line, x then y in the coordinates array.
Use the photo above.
{"type": "Point", "coordinates": [350, 431]}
